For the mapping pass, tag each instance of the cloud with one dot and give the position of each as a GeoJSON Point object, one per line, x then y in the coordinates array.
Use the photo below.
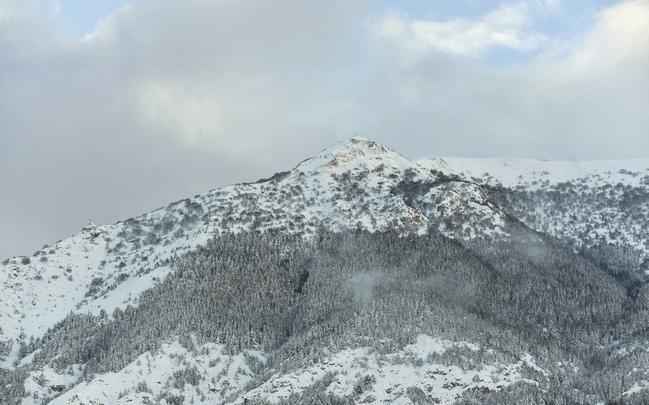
{"type": "Point", "coordinates": [212, 69]}
{"type": "Point", "coordinates": [620, 38]}
{"type": "Point", "coordinates": [505, 27]}
{"type": "Point", "coordinates": [166, 99]}
{"type": "Point", "coordinates": [17, 10]}
{"type": "Point", "coordinates": [193, 115]}
{"type": "Point", "coordinates": [162, 100]}
{"type": "Point", "coordinates": [578, 98]}
{"type": "Point", "coordinates": [548, 5]}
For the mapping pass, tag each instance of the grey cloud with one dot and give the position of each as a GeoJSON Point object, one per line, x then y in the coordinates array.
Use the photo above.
{"type": "Point", "coordinates": [75, 145]}
{"type": "Point", "coordinates": [171, 98]}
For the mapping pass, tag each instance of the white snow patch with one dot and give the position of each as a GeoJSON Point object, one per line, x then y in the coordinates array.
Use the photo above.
{"type": "Point", "coordinates": [393, 374]}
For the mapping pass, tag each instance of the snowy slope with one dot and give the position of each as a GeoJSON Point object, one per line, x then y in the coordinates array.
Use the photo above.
{"type": "Point", "coordinates": [214, 376]}
{"type": "Point", "coordinates": [419, 370]}
{"type": "Point", "coordinates": [532, 173]}
{"type": "Point", "coordinates": [589, 204]}
{"type": "Point", "coordinates": [426, 369]}
{"type": "Point", "coordinates": [358, 183]}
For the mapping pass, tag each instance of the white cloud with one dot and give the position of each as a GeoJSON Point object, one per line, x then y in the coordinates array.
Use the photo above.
{"type": "Point", "coordinates": [585, 97]}
{"type": "Point", "coordinates": [106, 28]}
{"type": "Point", "coordinates": [548, 5]}
{"type": "Point", "coordinates": [506, 27]}
{"type": "Point", "coordinates": [193, 115]}
{"type": "Point", "coordinates": [620, 37]}
{"type": "Point", "coordinates": [15, 10]}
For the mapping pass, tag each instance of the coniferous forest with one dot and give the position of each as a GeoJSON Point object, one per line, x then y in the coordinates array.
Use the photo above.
{"type": "Point", "coordinates": [298, 299]}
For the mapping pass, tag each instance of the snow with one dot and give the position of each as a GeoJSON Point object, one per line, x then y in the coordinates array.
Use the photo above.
{"type": "Point", "coordinates": [586, 203]}
{"type": "Point", "coordinates": [393, 373]}
{"type": "Point", "coordinates": [222, 375]}
{"type": "Point", "coordinates": [357, 153]}
{"type": "Point", "coordinates": [46, 383]}
{"type": "Point", "coordinates": [355, 183]}
{"type": "Point", "coordinates": [37, 295]}
{"type": "Point", "coordinates": [348, 185]}
{"type": "Point", "coordinates": [351, 184]}
{"type": "Point", "coordinates": [635, 388]}
{"type": "Point", "coordinates": [227, 378]}
{"type": "Point", "coordinates": [532, 172]}
{"type": "Point", "coordinates": [425, 345]}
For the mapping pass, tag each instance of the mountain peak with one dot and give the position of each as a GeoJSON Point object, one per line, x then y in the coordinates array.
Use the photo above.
{"type": "Point", "coordinates": [360, 144]}
{"type": "Point", "coordinates": [360, 139]}
{"type": "Point", "coordinates": [356, 152]}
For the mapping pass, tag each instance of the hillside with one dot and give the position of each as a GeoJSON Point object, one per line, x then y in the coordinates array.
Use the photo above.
{"type": "Point", "coordinates": [358, 184]}
{"type": "Point", "coordinates": [358, 276]}
{"type": "Point", "coordinates": [591, 204]}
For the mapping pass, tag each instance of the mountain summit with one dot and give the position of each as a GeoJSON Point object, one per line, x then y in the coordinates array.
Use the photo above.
{"type": "Point", "coordinates": [354, 152]}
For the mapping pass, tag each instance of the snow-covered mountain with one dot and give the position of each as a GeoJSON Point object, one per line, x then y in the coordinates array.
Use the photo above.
{"type": "Point", "coordinates": [396, 378]}
{"type": "Point", "coordinates": [356, 185]}
{"type": "Point", "coordinates": [588, 203]}
{"type": "Point", "coordinates": [533, 173]}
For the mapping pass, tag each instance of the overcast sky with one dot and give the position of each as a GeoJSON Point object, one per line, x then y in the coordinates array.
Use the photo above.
{"type": "Point", "coordinates": [111, 108]}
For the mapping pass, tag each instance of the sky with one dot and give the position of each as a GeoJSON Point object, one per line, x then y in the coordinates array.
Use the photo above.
{"type": "Point", "coordinates": [111, 108]}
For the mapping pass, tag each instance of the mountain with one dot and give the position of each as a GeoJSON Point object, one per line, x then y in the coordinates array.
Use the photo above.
{"type": "Point", "coordinates": [589, 204]}
{"type": "Point", "coordinates": [356, 184]}
{"type": "Point", "coordinates": [358, 276]}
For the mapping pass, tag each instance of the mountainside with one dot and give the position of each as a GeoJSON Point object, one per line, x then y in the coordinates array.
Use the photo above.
{"type": "Point", "coordinates": [358, 276]}
{"type": "Point", "coordinates": [359, 184]}
{"type": "Point", "coordinates": [592, 204]}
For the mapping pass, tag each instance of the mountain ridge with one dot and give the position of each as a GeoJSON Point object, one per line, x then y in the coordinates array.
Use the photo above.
{"type": "Point", "coordinates": [345, 186]}
{"type": "Point", "coordinates": [323, 190]}
{"type": "Point", "coordinates": [357, 185]}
